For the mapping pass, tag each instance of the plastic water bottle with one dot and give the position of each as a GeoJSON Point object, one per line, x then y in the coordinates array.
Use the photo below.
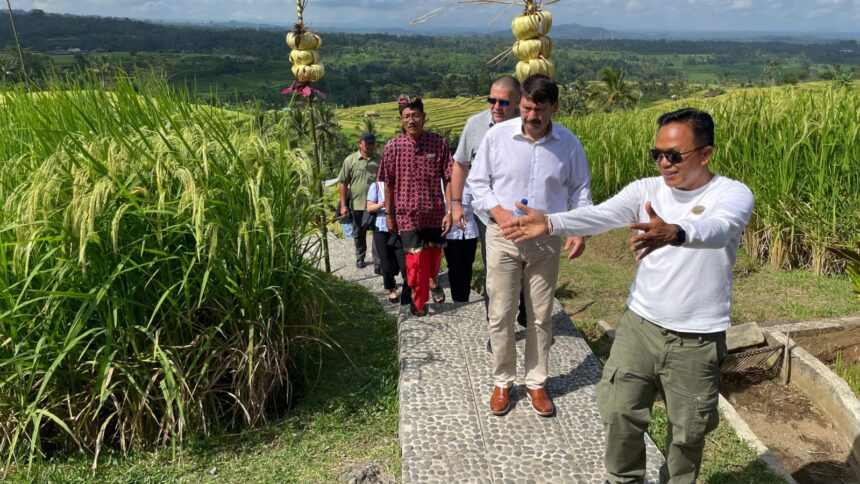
{"type": "Point", "coordinates": [518, 212]}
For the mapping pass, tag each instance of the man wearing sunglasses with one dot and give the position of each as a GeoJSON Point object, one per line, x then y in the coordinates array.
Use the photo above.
{"type": "Point", "coordinates": [671, 340]}
{"type": "Point", "coordinates": [503, 101]}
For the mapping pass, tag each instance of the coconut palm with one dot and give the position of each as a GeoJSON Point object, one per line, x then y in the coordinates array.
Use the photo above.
{"type": "Point", "coordinates": [613, 92]}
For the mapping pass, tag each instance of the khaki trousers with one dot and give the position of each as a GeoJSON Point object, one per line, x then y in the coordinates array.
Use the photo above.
{"type": "Point", "coordinates": [685, 369]}
{"type": "Point", "coordinates": [532, 266]}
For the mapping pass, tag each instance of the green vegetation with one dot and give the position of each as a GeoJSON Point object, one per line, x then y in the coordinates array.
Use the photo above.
{"type": "Point", "coordinates": [850, 372]}
{"type": "Point", "coordinates": [345, 417]}
{"type": "Point", "coordinates": [796, 148]}
{"type": "Point", "coordinates": [156, 276]}
{"type": "Point", "coordinates": [244, 64]}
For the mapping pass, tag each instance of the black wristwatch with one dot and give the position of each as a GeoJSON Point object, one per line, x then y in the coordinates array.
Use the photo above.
{"type": "Point", "coordinates": [680, 236]}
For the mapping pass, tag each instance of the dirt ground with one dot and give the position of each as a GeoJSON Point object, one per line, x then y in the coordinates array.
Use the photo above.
{"type": "Point", "coordinates": [794, 430]}
{"type": "Point", "coordinates": [825, 346]}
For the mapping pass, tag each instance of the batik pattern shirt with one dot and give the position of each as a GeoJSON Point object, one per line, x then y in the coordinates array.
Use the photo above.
{"type": "Point", "coordinates": [412, 169]}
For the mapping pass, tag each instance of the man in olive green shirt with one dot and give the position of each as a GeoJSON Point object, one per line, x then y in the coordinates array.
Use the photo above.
{"type": "Point", "coordinates": [357, 173]}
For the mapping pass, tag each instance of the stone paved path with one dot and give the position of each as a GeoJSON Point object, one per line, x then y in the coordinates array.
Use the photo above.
{"type": "Point", "coordinates": [447, 433]}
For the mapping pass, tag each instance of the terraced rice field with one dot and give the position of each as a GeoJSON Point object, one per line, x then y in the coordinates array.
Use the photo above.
{"type": "Point", "coordinates": [442, 113]}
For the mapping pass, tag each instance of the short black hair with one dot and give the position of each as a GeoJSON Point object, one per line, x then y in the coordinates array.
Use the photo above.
{"type": "Point", "coordinates": [701, 122]}
{"type": "Point", "coordinates": [405, 102]}
{"type": "Point", "coordinates": [540, 89]}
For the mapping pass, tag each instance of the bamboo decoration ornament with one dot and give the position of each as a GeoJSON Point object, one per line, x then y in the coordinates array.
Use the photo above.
{"type": "Point", "coordinates": [305, 55]}
{"type": "Point", "coordinates": [532, 48]}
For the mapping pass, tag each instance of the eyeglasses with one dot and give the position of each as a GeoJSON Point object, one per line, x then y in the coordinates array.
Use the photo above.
{"type": "Point", "coordinates": [504, 102]}
{"type": "Point", "coordinates": [672, 156]}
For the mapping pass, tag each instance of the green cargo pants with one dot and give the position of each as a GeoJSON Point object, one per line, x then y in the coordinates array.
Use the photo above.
{"type": "Point", "coordinates": [685, 369]}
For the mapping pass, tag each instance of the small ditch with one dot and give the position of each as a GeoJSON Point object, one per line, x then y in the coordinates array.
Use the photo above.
{"type": "Point", "coordinates": [795, 431]}
{"type": "Point", "coordinates": [825, 346]}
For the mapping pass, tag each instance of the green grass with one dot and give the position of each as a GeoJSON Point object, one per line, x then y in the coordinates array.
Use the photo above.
{"type": "Point", "coordinates": [595, 286]}
{"type": "Point", "coordinates": [726, 458]}
{"type": "Point", "coordinates": [850, 372]}
{"type": "Point", "coordinates": [346, 416]}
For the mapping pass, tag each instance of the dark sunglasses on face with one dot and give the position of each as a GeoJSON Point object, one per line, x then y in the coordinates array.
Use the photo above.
{"type": "Point", "coordinates": [672, 156]}
{"type": "Point", "coordinates": [504, 102]}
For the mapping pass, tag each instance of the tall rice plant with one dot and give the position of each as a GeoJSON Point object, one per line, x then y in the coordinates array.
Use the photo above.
{"type": "Point", "coordinates": [798, 150]}
{"type": "Point", "coordinates": [155, 267]}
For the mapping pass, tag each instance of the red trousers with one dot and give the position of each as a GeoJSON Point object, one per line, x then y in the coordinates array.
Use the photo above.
{"type": "Point", "coordinates": [420, 268]}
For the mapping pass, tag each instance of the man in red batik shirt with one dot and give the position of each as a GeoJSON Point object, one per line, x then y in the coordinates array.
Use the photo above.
{"type": "Point", "coordinates": [412, 165]}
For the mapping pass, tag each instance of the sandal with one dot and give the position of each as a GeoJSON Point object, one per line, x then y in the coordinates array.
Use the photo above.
{"type": "Point", "coordinates": [438, 294]}
{"type": "Point", "coordinates": [393, 298]}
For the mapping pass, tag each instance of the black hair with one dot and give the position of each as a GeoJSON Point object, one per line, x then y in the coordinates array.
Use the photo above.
{"type": "Point", "coordinates": [540, 89]}
{"type": "Point", "coordinates": [405, 102]}
{"type": "Point", "coordinates": [701, 123]}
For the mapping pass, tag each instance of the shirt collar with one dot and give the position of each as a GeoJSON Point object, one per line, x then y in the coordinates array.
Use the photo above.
{"type": "Point", "coordinates": [518, 134]}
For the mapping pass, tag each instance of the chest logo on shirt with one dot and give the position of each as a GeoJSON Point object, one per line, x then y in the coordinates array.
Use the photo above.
{"type": "Point", "coordinates": [698, 210]}
{"type": "Point", "coordinates": [431, 156]}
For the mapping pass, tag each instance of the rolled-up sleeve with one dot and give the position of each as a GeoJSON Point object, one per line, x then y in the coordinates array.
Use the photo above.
{"type": "Point", "coordinates": [480, 179]}
{"type": "Point", "coordinates": [386, 166]}
{"type": "Point", "coordinates": [449, 163]}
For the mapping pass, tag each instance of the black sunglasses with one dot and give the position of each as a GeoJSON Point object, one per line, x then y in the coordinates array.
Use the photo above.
{"type": "Point", "coordinates": [504, 102]}
{"type": "Point", "coordinates": [674, 157]}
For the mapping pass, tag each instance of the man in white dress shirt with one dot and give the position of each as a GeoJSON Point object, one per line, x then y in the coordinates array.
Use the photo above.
{"type": "Point", "coordinates": [672, 337]}
{"type": "Point", "coordinates": [526, 158]}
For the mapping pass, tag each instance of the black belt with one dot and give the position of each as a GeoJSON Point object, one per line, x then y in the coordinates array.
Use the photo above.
{"type": "Point", "coordinates": [701, 336]}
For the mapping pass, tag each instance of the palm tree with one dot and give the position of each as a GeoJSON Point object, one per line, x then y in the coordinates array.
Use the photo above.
{"type": "Point", "coordinates": [614, 92]}
{"type": "Point", "coordinates": [101, 68]}
{"type": "Point", "coordinates": [772, 72]}
{"type": "Point", "coordinates": [326, 125]}
{"type": "Point", "coordinates": [8, 68]}
{"type": "Point", "coordinates": [368, 125]}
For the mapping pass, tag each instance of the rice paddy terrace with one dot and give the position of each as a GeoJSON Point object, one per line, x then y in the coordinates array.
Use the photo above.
{"type": "Point", "coordinates": [442, 114]}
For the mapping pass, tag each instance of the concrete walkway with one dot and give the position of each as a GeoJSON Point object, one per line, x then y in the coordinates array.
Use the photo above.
{"type": "Point", "coordinates": [447, 433]}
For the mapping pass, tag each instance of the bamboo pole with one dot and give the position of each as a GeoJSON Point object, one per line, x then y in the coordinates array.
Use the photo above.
{"type": "Point", "coordinates": [320, 190]}
{"type": "Point", "coordinates": [18, 44]}
{"type": "Point", "coordinates": [786, 358]}
{"type": "Point", "coordinates": [300, 23]}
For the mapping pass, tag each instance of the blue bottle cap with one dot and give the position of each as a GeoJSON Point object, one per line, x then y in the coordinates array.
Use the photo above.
{"type": "Point", "coordinates": [524, 201]}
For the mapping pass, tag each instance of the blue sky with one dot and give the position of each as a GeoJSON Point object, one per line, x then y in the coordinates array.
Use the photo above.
{"type": "Point", "coordinates": [688, 15]}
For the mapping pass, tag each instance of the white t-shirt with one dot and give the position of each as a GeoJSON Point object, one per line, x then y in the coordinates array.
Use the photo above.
{"type": "Point", "coordinates": [686, 288]}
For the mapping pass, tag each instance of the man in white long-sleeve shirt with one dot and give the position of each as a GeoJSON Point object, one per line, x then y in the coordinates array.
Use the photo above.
{"type": "Point", "coordinates": [526, 158]}
{"type": "Point", "coordinates": [672, 338]}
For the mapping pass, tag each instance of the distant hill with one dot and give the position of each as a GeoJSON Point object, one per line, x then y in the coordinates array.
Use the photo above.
{"type": "Point", "coordinates": [577, 31]}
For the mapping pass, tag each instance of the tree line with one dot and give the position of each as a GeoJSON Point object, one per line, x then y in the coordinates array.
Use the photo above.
{"type": "Point", "coordinates": [369, 68]}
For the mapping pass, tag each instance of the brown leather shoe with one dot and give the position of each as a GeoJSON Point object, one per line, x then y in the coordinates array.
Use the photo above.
{"type": "Point", "coordinates": [541, 402]}
{"type": "Point", "coordinates": [500, 401]}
